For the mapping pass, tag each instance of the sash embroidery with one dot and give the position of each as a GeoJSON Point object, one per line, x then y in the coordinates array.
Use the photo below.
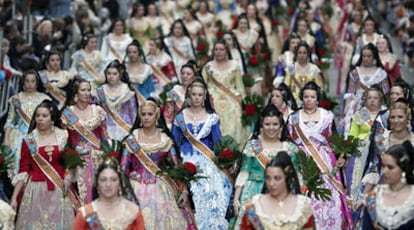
{"type": "Point", "coordinates": [371, 208]}
{"type": "Point", "coordinates": [49, 171]}
{"type": "Point", "coordinates": [52, 90]}
{"type": "Point", "coordinates": [113, 51]}
{"type": "Point", "coordinates": [81, 60]}
{"type": "Point", "coordinates": [91, 217]}
{"type": "Point", "coordinates": [224, 88]}
{"type": "Point", "coordinates": [258, 150]}
{"type": "Point", "coordinates": [114, 115]}
{"type": "Point", "coordinates": [175, 97]}
{"type": "Point", "coordinates": [253, 218]}
{"type": "Point", "coordinates": [18, 106]}
{"type": "Point", "coordinates": [74, 123]}
{"type": "Point", "coordinates": [366, 117]}
{"type": "Point", "coordinates": [160, 74]}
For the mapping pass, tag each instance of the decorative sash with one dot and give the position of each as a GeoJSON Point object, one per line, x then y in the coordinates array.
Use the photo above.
{"type": "Point", "coordinates": [224, 89]}
{"type": "Point", "coordinates": [370, 208]}
{"type": "Point", "coordinates": [198, 145]}
{"type": "Point", "coordinates": [179, 53]}
{"type": "Point", "coordinates": [74, 122]}
{"type": "Point", "coordinates": [18, 106]}
{"type": "Point", "coordinates": [88, 67]}
{"type": "Point", "coordinates": [113, 51]}
{"type": "Point", "coordinates": [258, 150]}
{"type": "Point", "coordinates": [252, 217]}
{"type": "Point", "coordinates": [141, 99]}
{"type": "Point", "coordinates": [319, 161]}
{"type": "Point", "coordinates": [160, 74]}
{"type": "Point", "coordinates": [50, 172]}
{"type": "Point", "coordinates": [366, 117]}
{"type": "Point", "coordinates": [52, 90]}
{"type": "Point", "coordinates": [175, 97]}
{"type": "Point", "coordinates": [91, 218]}
{"type": "Point", "coordinates": [114, 115]}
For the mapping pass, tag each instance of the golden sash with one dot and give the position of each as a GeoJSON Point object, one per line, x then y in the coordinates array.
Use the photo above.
{"type": "Point", "coordinates": [52, 90]}
{"type": "Point", "coordinates": [88, 67]}
{"type": "Point", "coordinates": [91, 217]}
{"type": "Point", "coordinates": [160, 74]}
{"type": "Point", "coordinates": [258, 150]}
{"type": "Point", "coordinates": [18, 106]}
{"type": "Point", "coordinates": [101, 95]}
{"type": "Point", "coordinates": [74, 122]}
{"type": "Point", "coordinates": [225, 89]}
{"type": "Point", "coordinates": [319, 161]}
{"type": "Point", "coordinates": [179, 53]}
{"type": "Point", "coordinates": [141, 99]}
{"type": "Point", "coordinates": [113, 51]}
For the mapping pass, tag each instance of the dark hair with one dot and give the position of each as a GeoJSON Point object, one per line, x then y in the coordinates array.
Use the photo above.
{"type": "Point", "coordinates": [77, 80]}
{"type": "Point", "coordinates": [283, 161]}
{"type": "Point", "coordinates": [140, 50]}
{"type": "Point", "coordinates": [198, 81]}
{"type": "Point", "coordinates": [270, 111]}
{"type": "Point", "coordinates": [241, 16]}
{"type": "Point", "coordinates": [86, 38]}
{"type": "Point", "coordinates": [237, 46]}
{"type": "Point", "coordinates": [193, 66]}
{"type": "Point", "coordinates": [39, 83]}
{"type": "Point", "coordinates": [311, 86]}
{"type": "Point", "coordinates": [156, 8]}
{"type": "Point", "coordinates": [374, 51]}
{"type": "Point", "coordinates": [387, 40]}
{"type": "Point", "coordinates": [287, 96]}
{"type": "Point", "coordinates": [295, 27]}
{"type": "Point", "coordinates": [308, 49]}
{"type": "Point", "coordinates": [126, 188]}
{"type": "Point", "coordinates": [49, 55]}
{"type": "Point", "coordinates": [223, 42]}
{"type": "Point", "coordinates": [54, 114]}
{"type": "Point", "coordinates": [135, 7]}
{"type": "Point", "coordinates": [403, 154]}
{"type": "Point", "coordinates": [115, 21]}
{"type": "Point", "coordinates": [286, 44]}
{"type": "Point", "coordinates": [121, 69]}
{"type": "Point", "coordinates": [185, 33]}
{"type": "Point", "coordinates": [406, 91]}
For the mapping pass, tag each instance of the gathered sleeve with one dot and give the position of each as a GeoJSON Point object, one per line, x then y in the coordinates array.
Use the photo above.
{"type": "Point", "coordinates": [11, 116]}
{"type": "Point", "coordinates": [247, 160]}
{"type": "Point", "coordinates": [25, 167]}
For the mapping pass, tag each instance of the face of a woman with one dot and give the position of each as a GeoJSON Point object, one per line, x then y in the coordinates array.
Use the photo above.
{"type": "Point", "coordinates": [220, 52]}
{"type": "Point", "coordinates": [133, 53]}
{"type": "Point", "coordinates": [302, 55]}
{"type": "Point", "coordinates": [152, 10]}
{"type": "Point", "coordinates": [141, 11]}
{"type": "Point", "coordinates": [367, 57]}
{"type": "Point", "coordinates": [243, 24]}
{"type": "Point", "coordinates": [310, 99]}
{"type": "Point", "coordinates": [357, 16]}
{"type": "Point", "coordinates": [271, 127]}
{"type": "Point", "coordinates": [84, 92]}
{"type": "Point", "coordinates": [187, 15]}
{"type": "Point", "coordinates": [369, 27]}
{"type": "Point", "coordinates": [398, 120]}
{"type": "Point", "coordinates": [302, 27]}
{"type": "Point", "coordinates": [202, 7]}
{"type": "Point", "coordinates": [153, 47]}
{"type": "Point", "coordinates": [391, 172]}
{"type": "Point", "coordinates": [251, 11]}
{"type": "Point", "coordinates": [118, 27]}
{"type": "Point", "coordinates": [147, 116]}
{"type": "Point", "coordinates": [275, 180]}
{"type": "Point", "coordinates": [30, 83]}
{"type": "Point", "coordinates": [277, 98]}
{"type": "Point", "coordinates": [197, 96]}
{"type": "Point", "coordinates": [187, 76]}
{"type": "Point", "coordinates": [178, 29]}
{"type": "Point", "coordinates": [396, 93]}
{"type": "Point", "coordinates": [108, 183]}
{"type": "Point", "coordinates": [382, 45]}
{"type": "Point", "coordinates": [228, 39]}
{"type": "Point", "coordinates": [373, 101]}
{"type": "Point", "coordinates": [91, 44]}
{"type": "Point", "coordinates": [43, 119]}
{"type": "Point", "coordinates": [54, 62]}
{"type": "Point", "coordinates": [293, 43]}
{"type": "Point", "coordinates": [112, 76]}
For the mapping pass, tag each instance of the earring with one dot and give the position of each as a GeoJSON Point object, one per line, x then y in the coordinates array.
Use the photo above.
{"type": "Point", "coordinates": [120, 192]}
{"type": "Point", "coordinates": [403, 179]}
{"type": "Point", "coordinates": [76, 98]}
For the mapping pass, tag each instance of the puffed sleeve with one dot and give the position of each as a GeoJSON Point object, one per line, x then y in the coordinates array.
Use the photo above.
{"type": "Point", "coordinates": [247, 159]}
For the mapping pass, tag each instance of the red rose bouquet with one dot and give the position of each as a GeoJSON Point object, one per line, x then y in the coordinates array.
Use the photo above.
{"type": "Point", "coordinates": [71, 158]}
{"type": "Point", "coordinates": [111, 148]}
{"type": "Point", "coordinates": [183, 172]}
{"type": "Point", "coordinates": [327, 103]}
{"type": "Point", "coordinates": [6, 158]}
{"type": "Point", "coordinates": [252, 106]}
{"type": "Point", "coordinates": [202, 50]}
{"type": "Point", "coordinates": [227, 152]}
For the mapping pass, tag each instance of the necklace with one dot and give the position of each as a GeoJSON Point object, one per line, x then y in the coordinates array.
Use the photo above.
{"type": "Point", "coordinates": [310, 113]}
{"type": "Point", "coordinates": [394, 192]}
{"type": "Point", "coordinates": [280, 202]}
{"type": "Point", "coordinates": [195, 116]}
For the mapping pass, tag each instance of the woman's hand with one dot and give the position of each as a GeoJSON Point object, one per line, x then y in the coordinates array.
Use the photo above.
{"type": "Point", "coordinates": [13, 204]}
{"type": "Point", "coordinates": [67, 182]}
{"type": "Point", "coordinates": [183, 199]}
{"type": "Point", "coordinates": [236, 207]}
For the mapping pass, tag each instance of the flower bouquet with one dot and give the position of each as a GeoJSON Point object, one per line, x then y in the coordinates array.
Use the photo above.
{"type": "Point", "coordinates": [202, 50]}
{"type": "Point", "coordinates": [183, 172]}
{"type": "Point", "coordinates": [220, 29]}
{"type": "Point", "coordinates": [257, 60]}
{"type": "Point", "coordinates": [252, 106]}
{"type": "Point", "coordinates": [227, 152]}
{"type": "Point", "coordinates": [327, 103]}
{"type": "Point", "coordinates": [71, 158]}
{"type": "Point", "coordinates": [6, 158]}
{"type": "Point", "coordinates": [111, 148]}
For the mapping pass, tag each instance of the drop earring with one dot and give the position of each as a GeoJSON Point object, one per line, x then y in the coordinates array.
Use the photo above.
{"type": "Point", "coordinates": [403, 178]}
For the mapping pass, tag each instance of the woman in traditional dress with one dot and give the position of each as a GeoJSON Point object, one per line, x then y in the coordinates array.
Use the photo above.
{"type": "Point", "coordinates": [176, 96]}
{"type": "Point", "coordinates": [367, 36]}
{"type": "Point", "coordinates": [256, 23]}
{"type": "Point", "coordinates": [161, 63]}
{"type": "Point", "coordinates": [149, 147]}
{"type": "Point", "coordinates": [198, 125]}
{"type": "Point", "coordinates": [138, 26]}
{"type": "Point", "coordinates": [282, 206]}
{"type": "Point", "coordinates": [309, 128]}
{"type": "Point", "coordinates": [236, 53]}
{"type": "Point", "coordinates": [246, 36]}
{"type": "Point", "coordinates": [193, 25]}
{"type": "Point", "coordinates": [139, 72]}
{"type": "Point", "coordinates": [86, 126]}
{"type": "Point", "coordinates": [223, 78]}
{"type": "Point", "coordinates": [115, 43]}
{"type": "Point", "coordinates": [302, 29]}
{"type": "Point", "coordinates": [286, 58]}
{"type": "Point", "coordinates": [54, 79]}
{"type": "Point", "coordinates": [118, 99]}
{"type": "Point", "coordinates": [88, 62]}
{"type": "Point", "coordinates": [207, 19]}
{"type": "Point", "coordinates": [368, 72]}
{"type": "Point", "coordinates": [282, 98]}
{"type": "Point", "coordinates": [179, 44]}
{"type": "Point", "coordinates": [7, 216]}
{"type": "Point", "coordinates": [267, 141]}
{"type": "Point", "coordinates": [388, 59]}
{"type": "Point", "coordinates": [111, 208]}
{"type": "Point", "coordinates": [42, 175]}
{"type": "Point", "coordinates": [361, 125]}
{"type": "Point", "coordinates": [302, 71]}
{"type": "Point", "coordinates": [155, 21]}
{"type": "Point", "coordinates": [22, 106]}
{"type": "Point", "coordinates": [391, 205]}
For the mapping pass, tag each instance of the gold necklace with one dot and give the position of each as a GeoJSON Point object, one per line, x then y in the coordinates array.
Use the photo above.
{"type": "Point", "coordinates": [280, 202]}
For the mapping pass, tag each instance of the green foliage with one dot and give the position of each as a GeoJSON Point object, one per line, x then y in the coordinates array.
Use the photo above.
{"type": "Point", "coordinates": [227, 152]}
{"type": "Point", "coordinates": [248, 80]}
{"type": "Point", "coordinates": [252, 106]}
{"type": "Point", "coordinates": [312, 178]}
{"type": "Point", "coordinates": [71, 158]}
{"type": "Point", "coordinates": [347, 147]}
{"type": "Point", "coordinates": [6, 158]}
{"type": "Point", "coordinates": [110, 148]}
{"type": "Point", "coordinates": [167, 88]}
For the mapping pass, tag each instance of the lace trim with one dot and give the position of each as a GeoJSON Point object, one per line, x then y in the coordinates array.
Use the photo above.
{"type": "Point", "coordinates": [164, 145]}
{"type": "Point", "coordinates": [20, 177]}
{"type": "Point", "coordinates": [211, 120]}
{"type": "Point", "coordinates": [124, 95]}
{"type": "Point", "coordinates": [371, 178]}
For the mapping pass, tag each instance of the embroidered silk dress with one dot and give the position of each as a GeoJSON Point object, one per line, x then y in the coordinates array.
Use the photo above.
{"type": "Point", "coordinates": [90, 151]}
{"type": "Point", "coordinates": [181, 52]}
{"type": "Point", "coordinates": [18, 110]}
{"type": "Point", "coordinates": [59, 86]}
{"type": "Point", "coordinates": [211, 195]}
{"type": "Point", "coordinates": [156, 198]}
{"type": "Point", "coordinates": [41, 206]}
{"type": "Point", "coordinates": [333, 214]}
{"type": "Point", "coordinates": [112, 49]}
{"type": "Point", "coordinates": [143, 81]}
{"type": "Point", "coordinates": [251, 176]}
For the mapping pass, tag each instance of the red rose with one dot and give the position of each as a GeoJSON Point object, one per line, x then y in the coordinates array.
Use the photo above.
{"type": "Point", "coordinates": [218, 24]}
{"type": "Point", "coordinates": [249, 109]}
{"type": "Point", "coordinates": [190, 167]}
{"type": "Point", "coordinates": [1, 159]}
{"type": "Point", "coordinates": [114, 154]}
{"type": "Point", "coordinates": [265, 56]}
{"type": "Point", "coordinates": [321, 52]}
{"type": "Point", "coordinates": [290, 11]}
{"type": "Point", "coordinates": [320, 63]}
{"type": "Point", "coordinates": [201, 46]}
{"type": "Point", "coordinates": [253, 60]}
{"type": "Point", "coordinates": [227, 153]}
{"type": "Point", "coordinates": [275, 22]}
{"type": "Point", "coordinates": [325, 104]}
{"type": "Point", "coordinates": [219, 34]}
